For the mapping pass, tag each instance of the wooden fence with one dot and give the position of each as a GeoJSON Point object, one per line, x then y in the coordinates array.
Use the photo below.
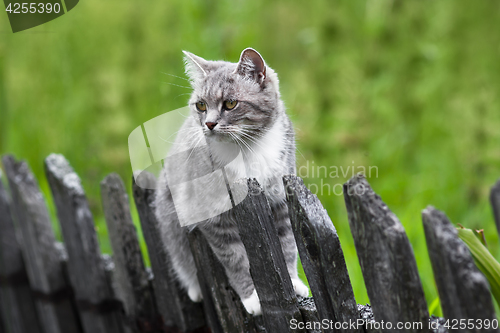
{"type": "Point", "coordinates": [50, 287]}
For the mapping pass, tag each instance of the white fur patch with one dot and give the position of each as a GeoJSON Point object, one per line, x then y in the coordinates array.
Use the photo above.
{"type": "Point", "coordinates": [300, 288]}
{"type": "Point", "coordinates": [262, 162]}
{"type": "Point", "coordinates": [252, 304]}
{"type": "Point", "coordinates": [194, 293]}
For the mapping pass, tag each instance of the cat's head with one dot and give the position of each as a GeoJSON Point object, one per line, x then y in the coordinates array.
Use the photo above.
{"type": "Point", "coordinates": [233, 101]}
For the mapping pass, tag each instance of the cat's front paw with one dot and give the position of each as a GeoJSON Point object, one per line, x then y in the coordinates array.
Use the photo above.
{"type": "Point", "coordinates": [252, 304]}
{"type": "Point", "coordinates": [194, 293]}
{"type": "Point", "coordinates": [300, 288]}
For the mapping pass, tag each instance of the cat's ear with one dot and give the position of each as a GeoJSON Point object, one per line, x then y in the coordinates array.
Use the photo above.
{"type": "Point", "coordinates": [252, 65]}
{"type": "Point", "coordinates": [196, 67]}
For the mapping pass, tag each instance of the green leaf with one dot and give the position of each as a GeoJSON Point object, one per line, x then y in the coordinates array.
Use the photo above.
{"type": "Point", "coordinates": [483, 259]}
{"type": "Point", "coordinates": [435, 308]}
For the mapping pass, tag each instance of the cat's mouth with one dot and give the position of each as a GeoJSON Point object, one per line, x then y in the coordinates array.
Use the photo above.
{"type": "Point", "coordinates": [242, 135]}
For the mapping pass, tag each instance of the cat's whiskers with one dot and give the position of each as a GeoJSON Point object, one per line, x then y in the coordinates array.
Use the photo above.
{"type": "Point", "coordinates": [234, 132]}
{"type": "Point", "coordinates": [250, 153]}
{"type": "Point", "coordinates": [181, 95]}
{"type": "Point", "coordinates": [252, 134]}
{"type": "Point", "coordinates": [246, 128]}
{"type": "Point", "coordinates": [249, 137]}
{"type": "Point", "coordinates": [241, 136]}
{"type": "Point", "coordinates": [188, 135]}
{"type": "Point", "coordinates": [247, 150]}
{"type": "Point", "coordinates": [189, 129]}
{"type": "Point", "coordinates": [238, 141]}
{"type": "Point", "coordinates": [253, 130]}
{"type": "Point", "coordinates": [179, 77]}
{"type": "Point", "coordinates": [177, 85]}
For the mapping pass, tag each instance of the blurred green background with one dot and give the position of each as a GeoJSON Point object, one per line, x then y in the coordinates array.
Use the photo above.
{"type": "Point", "coordinates": [410, 87]}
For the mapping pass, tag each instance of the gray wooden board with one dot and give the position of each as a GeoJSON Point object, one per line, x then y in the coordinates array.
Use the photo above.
{"type": "Point", "coordinates": [43, 262]}
{"type": "Point", "coordinates": [16, 301]}
{"type": "Point", "coordinates": [173, 302]}
{"type": "Point", "coordinates": [463, 289]}
{"type": "Point", "coordinates": [110, 271]}
{"type": "Point", "coordinates": [321, 255]}
{"type": "Point", "coordinates": [385, 256]}
{"type": "Point", "coordinates": [495, 203]}
{"type": "Point", "coordinates": [267, 264]}
{"type": "Point", "coordinates": [130, 276]}
{"type": "Point", "coordinates": [2, 326]}
{"type": "Point", "coordinates": [86, 271]}
{"type": "Point", "coordinates": [223, 307]}
{"type": "Point", "coordinates": [11, 261]}
{"type": "Point", "coordinates": [18, 307]}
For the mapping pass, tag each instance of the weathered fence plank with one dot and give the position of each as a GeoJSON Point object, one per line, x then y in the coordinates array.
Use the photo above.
{"type": "Point", "coordinates": [43, 261]}
{"type": "Point", "coordinates": [18, 306]}
{"type": "Point", "coordinates": [16, 301]}
{"type": "Point", "coordinates": [267, 264]}
{"type": "Point", "coordinates": [386, 258]}
{"type": "Point", "coordinates": [99, 310]}
{"type": "Point", "coordinates": [321, 255]}
{"type": "Point", "coordinates": [2, 328]}
{"type": "Point", "coordinates": [495, 203]}
{"type": "Point", "coordinates": [35, 295]}
{"type": "Point", "coordinates": [223, 308]}
{"type": "Point", "coordinates": [173, 302]}
{"type": "Point", "coordinates": [463, 289]}
{"type": "Point", "coordinates": [131, 278]}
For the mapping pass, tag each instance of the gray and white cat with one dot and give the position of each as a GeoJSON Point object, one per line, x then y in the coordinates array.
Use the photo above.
{"type": "Point", "coordinates": [236, 108]}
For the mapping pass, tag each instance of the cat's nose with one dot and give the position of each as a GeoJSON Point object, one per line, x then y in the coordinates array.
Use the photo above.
{"type": "Point", "coordinates": [210, 125]}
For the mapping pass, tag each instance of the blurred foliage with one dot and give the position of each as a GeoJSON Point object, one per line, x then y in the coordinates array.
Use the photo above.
{"type": "Point", "coordinates": [410, 87]}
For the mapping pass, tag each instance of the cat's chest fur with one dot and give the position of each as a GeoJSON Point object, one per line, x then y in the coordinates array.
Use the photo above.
{"type": "Point", "coordinates": [263, 159]}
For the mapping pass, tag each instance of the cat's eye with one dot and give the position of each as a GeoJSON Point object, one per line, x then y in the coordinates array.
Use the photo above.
{"type": "Point", "coordinates": [229, 105]}
{"type": "Point", "coordinates": [201, 106]}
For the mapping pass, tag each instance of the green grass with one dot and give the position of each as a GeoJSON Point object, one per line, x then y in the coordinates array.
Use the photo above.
{"type": "Point", "coordinates": [410, 87]}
